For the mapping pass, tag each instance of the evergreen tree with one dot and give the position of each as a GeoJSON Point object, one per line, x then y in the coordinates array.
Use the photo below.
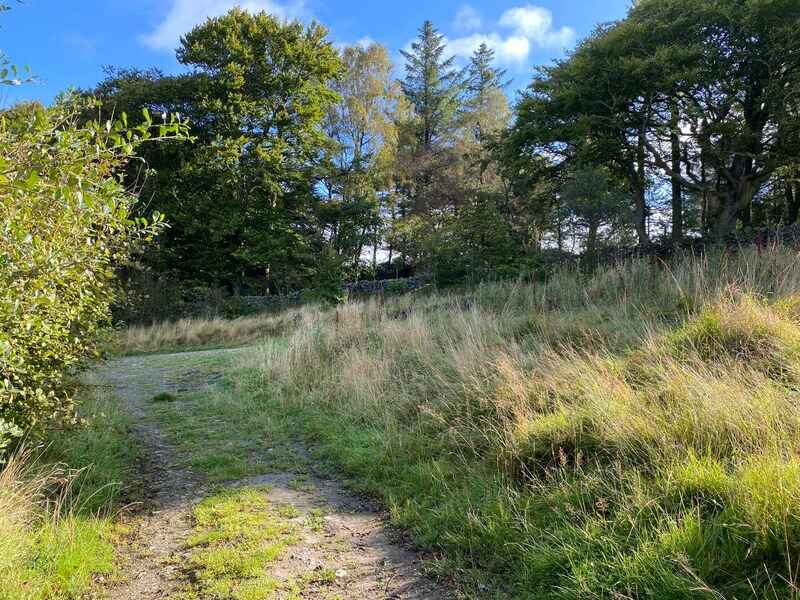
{"type": "Point", "coordinates": [486, 105]}
{"type": "Point", "coordinates": [481, 74]}
{"type": "Point", "coordinates": [432, 85]}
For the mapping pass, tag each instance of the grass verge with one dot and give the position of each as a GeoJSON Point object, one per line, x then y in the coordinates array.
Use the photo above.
{"type": "Point", "coordinates": [198, 333]}
{"type": "Point", "coordinates": [56, 531]}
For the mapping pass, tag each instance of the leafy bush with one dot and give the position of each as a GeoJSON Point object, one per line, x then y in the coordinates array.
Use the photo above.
{"type": "Point", "coordinates": [66, 222]}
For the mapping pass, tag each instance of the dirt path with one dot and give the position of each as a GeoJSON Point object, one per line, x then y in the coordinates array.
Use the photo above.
{"type": "Point", "coordinates": [349, 538]}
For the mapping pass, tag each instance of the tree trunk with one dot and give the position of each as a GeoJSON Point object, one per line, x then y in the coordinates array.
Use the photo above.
{"type": "Point", "coordinates": [746, 217]}
{"type": "Point", "coordinates": [677, 191]}
{"type": "Point", "coordinates": [639, 188]}
{"type": "Point", "coordinates": [559, 233]}
{"type": "Point", "coordinates": [591, 242]}
{"type": "Point", "coordinates": [792, 202]}
{"type": "Point", "coordinates": [733, 205]}
{"type": "Point", "coordinates": [640, 214]}
{"type": "Point", "coordinates": [375, 253]}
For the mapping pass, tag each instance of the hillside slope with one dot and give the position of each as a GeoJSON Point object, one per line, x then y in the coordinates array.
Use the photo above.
{"type": "Point", "coordinates": [628, 434]}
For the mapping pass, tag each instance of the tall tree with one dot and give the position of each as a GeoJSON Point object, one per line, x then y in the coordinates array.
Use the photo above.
{"type": "Point", "coordinates": [486, 100]}
{"type": "Point", "coordinates": [484, 113]}
{"type": "Point", "coordinates": [731, 69]}
{"type": "Point", "coordinates": [364, 135]}
{"type": "Point", "coordinates": [432, 84]}
{"type": "Point", "coordinates": [433, 88]}
{"type": "Point", "coordinates": [241, 202]}
{"type": "Point", "coordinates": [703, 94]}
{"type": "Point", "coordinates": [594, 200]}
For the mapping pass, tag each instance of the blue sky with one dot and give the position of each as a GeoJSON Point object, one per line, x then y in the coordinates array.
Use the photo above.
{"type": "Point", "coordinates": [67, 42]}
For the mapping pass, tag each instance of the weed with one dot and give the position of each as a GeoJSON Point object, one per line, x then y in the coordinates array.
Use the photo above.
{"type": "Point", "coordinates": [164, 397]}
{"type": "Point", "coordinates": [315, 520]}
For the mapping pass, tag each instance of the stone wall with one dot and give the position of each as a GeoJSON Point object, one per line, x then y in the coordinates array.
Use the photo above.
{"type": "Point", "coordinates": [383, 286]}
{"type": "Point", "coordinates": [356, 288]}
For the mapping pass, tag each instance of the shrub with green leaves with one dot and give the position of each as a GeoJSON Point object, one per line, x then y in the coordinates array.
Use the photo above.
{"type": "Point", "coordinates": [66, 221]}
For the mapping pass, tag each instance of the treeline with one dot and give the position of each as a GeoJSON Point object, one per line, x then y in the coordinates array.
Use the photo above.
{"type": "Point", "coordinates": [312, 165]}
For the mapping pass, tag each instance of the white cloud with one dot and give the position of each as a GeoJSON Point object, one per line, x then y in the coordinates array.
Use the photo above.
{"type": "Point", "coordinates": [526, 27]}
{"type": "Point", "coordinates": [508, 50]}
{"type": "Point", "coordinates": [467, 19]}
{"type": "Point", "coordinates": [365, 42]}
{"type": "Point", "coordinates": [536, 24]}
{"type": "Point", "coordinates": [185, 14]}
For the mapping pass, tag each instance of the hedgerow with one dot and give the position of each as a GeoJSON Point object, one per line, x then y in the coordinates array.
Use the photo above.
{"type": "Point", "coordinates": [66, 220]}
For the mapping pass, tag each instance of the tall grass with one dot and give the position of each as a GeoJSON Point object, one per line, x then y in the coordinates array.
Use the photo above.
{"type": "Point", "coordinates": [199, 333]}
{"type": "Point", "coordinates": [627, 434]}
{"type": "Point", "coordinates": [56, 528]}
{"type": "Point", "coordinates": [47, 550]}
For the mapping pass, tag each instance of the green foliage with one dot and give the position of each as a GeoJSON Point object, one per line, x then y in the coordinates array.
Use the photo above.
{"type": "Point", "coordinates": [328, 285]}
{"type": "Point", "coordinates": [67, 221]}
{"type": "Point", "coordinates": [592, 200]}
{"type": "Point", "coordinates": [357, 168]}
{"type": "Point", "coordinates": [164, 397]}
{"type": "Point", "coordinates": [688, 92]}
{"type": "Point", "coordinates": [476, 244]}
{"type": "Point", "coordinates": [241, 200]}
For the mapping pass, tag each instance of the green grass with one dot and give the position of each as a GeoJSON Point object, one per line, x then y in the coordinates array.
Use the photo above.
{"type": "Point", "coordinates": [224, 434]}
{"type": "Point", "coordinates": [57, 531]}
{"type": "Point", "coordinates": [237, 539]}
{"type": "Point", "coordinates": [164, 397]}
{"type": "Point", "coordinates": [627, 434]}
{"type": "Point", "coordinates": [237, 536]}
{"type": "Point", "coordinates": [100, 448]}
{"type": "Point", "coordinates": [632, 433]}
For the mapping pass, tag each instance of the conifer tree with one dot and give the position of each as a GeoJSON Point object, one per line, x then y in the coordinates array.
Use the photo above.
{"type": "Point", "coordinates": [432, 85]}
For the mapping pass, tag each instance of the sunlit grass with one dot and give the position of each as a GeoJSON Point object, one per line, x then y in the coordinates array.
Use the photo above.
{"type": "Point", "coordinates": [199, 333]}
{"type": "Point", "coordinates": [57, 529]}
{"type": "Point", "coordinates": [631, 434]}
{"type": "Point", "coordinates": [238, 538]}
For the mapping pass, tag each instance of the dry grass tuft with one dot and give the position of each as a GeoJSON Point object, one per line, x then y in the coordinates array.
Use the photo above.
{"type": "Point", "coordinates": [201, 333]}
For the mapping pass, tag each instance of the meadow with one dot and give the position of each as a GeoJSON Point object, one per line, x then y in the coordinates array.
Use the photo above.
{"type": "Point", "coordinates": [629, 433]}
{"type": "Point", "coordinates": [626, 433]}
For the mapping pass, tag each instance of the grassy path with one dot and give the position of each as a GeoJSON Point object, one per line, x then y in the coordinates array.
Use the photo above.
{"type": "Point", "coordinates": [234, 508]}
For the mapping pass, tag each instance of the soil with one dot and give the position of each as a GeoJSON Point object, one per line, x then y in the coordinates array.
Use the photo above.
{"type": "Point", "coordinates": [353, 539]}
